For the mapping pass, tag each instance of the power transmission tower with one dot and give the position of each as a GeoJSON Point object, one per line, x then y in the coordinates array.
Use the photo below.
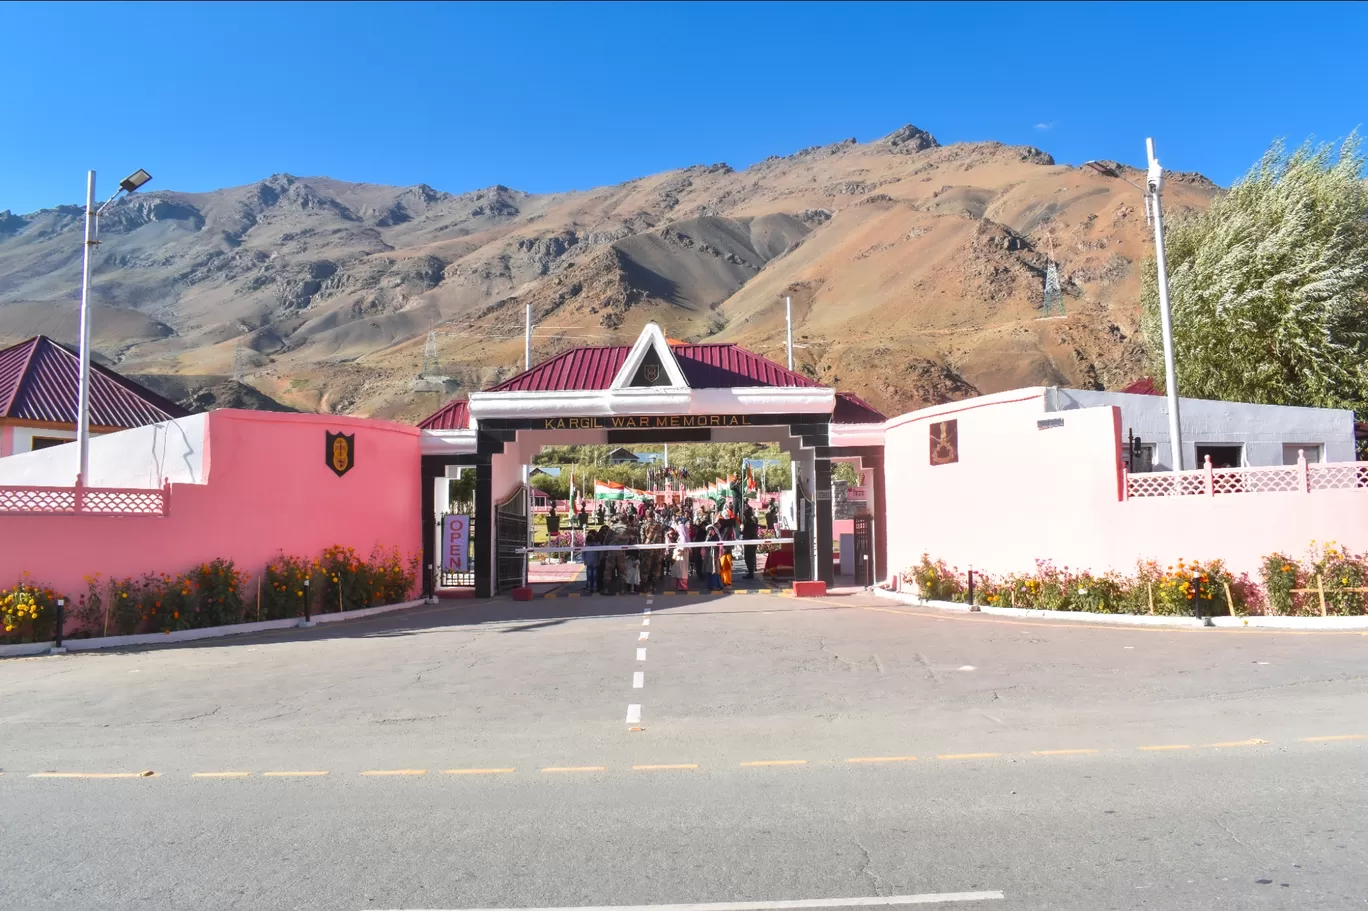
{"type": "Point", "coordinates": [430, 376]}
{"type": "Point", "coordinates": [431, 365]}
{"type": "Point", "coordinates": [1054, 297]}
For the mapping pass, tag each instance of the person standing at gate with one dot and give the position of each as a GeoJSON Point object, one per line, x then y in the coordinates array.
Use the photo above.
{"type": "Point", "coordinates": [679, 568]}
{"type": "Point", "coordinates": [591, 562]}
{"type": "Point", "coordinates": [711, 560]}
{"type": "Point", "coordinates": [615, 561]}
{"type": "Point", "coordinates": [772, 516]}
{"type": "Point", "coordinates": [653, 532]}
{"type": "Point", "coordinates": [750, 530]}
{"type": "Point", "coordinates": [698, 532]}
{"type": "Point", "coordinates": [724, 561]}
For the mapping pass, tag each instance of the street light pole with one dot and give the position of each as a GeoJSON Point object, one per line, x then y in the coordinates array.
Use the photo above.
{"type": "Point", "coordinates": [1154, 185]}
{"type": "Point", "coordinates": [788, 328]}
{"type": "Point", "coordinates": [83, 396]}
{"type": "Point", "coordinates": [1154, 182]}
{"type": "Point", "coordinates": [92, 238]}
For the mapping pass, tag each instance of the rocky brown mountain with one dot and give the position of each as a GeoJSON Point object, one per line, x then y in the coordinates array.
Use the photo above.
{"type": "Point", "coordinates": [916, 272]}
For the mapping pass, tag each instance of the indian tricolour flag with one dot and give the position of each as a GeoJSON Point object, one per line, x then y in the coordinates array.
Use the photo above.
{"type": "Point", "coordinates": [608, 490]}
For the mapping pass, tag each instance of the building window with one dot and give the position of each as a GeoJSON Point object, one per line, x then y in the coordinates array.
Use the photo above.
{"type": "Point", "coordinates": [1223, 455]}
{"type": "Point", "coordinates": [47, 442]}
{"type": "Point", "coordinates": [1290, 450]}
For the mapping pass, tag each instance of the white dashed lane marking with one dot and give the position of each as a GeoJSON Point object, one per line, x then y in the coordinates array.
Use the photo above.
{"type": "Point", "coordinates": [641, 654]}
{"type": "Point", "coordinates": [638, 680]}
{"type": "Point", "coordinates": [874, 901]}
{"type": "Point", "coordinates": [633, 714]}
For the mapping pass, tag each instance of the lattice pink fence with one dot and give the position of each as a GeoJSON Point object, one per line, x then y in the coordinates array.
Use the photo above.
{"type": "Point", "coordinates": [1300, 478]}
{"type": "Point", "coordinates": [1338, 475]}
{"type": "Point", "coordinates": [85, 501]}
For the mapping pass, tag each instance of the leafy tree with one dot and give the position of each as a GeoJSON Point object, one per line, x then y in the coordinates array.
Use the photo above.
{"type": "Point", "coordinates": [1269, 286]}
{"type": "Point", "coordinates": [557, 488]}
{"type": "Point", "coordinates": [462, 492]}
{"type": "Point", "coordinates": [845, 471]}
{"type": "Point", "coordinates": [704, 461]}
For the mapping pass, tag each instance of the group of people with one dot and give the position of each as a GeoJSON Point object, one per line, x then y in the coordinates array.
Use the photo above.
{"type": "Point", "coordinates": [630, 568]}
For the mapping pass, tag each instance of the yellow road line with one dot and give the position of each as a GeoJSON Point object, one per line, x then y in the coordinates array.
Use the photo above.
{"type": "Point", "coordinates": [477, 771]}
{"type": "Point", "coordinates": [968, 755]}
{"type": "Point", "coordinates": [93, 775]}
{"type": "Point", "coordinates": [292, 774]}
{"type": "Point", "coordinates": [375, 772]}
{"type": "Point", "coordinates": [576, 768]}
{"type": "Point", "coordinates": [1168, 746]}
{"type": "Point", "coordinates": [1061, 752]}
{"type": "Point", "coordinates": [1239, 743]}
{"type": "Point", "coordinates": [882, 759]}
{"type": "Point", "coordinates": [220, 774]}
{"type": "Point", "coordinates": [761, 762]}
{"type": "Point", "coordinates": [649, 768]}
{"type": "Point", "coordinates": [1335, 737]}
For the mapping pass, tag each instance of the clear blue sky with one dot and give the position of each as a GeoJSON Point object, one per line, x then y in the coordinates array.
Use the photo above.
{"type": "Point", "coordinates": [554, 97]}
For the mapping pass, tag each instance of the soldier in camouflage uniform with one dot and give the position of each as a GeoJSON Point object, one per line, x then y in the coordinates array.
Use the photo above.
{"type": "Point", "coordinates": [615, 561]}
{"type": "Point", "coordinates": [653, 532]}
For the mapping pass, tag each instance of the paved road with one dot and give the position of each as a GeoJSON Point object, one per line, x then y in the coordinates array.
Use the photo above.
{"type": "Point", "coordinates": [480, 756]}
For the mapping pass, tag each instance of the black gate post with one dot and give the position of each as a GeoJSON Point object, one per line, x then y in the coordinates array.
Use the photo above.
{"type": "Point", "coordinates": [484, 529]}
{"type": "Point", "coordinates": [429, 523]}
{"type": "Point", "coordinates": [823, 526]}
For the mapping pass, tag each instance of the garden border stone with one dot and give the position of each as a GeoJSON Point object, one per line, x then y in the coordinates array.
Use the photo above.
{"type": "Point", "coordinates": [1252, 622]}
{"type": "Point", "coordinates": [189, 635]}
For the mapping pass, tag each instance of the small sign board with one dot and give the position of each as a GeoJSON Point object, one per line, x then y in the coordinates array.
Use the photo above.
{"type": "Point", "coordinates": [455, 543]}
{"type": "Point", "coordinates": [857, 493]}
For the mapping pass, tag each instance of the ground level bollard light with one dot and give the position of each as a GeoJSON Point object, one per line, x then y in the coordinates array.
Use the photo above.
{"type": "Point", "coordinates": [57, 648]}
{"type": "Point", "coordinates": [308, 618]}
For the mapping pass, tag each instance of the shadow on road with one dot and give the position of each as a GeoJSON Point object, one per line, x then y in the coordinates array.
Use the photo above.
{"type": "Point", "coordinates": [513, 616]}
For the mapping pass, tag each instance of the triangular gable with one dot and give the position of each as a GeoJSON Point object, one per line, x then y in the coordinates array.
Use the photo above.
{"type": "Point", "coordinates": [650, 364]}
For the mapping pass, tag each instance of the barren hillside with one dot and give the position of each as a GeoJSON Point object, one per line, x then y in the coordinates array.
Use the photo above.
{"type": "Point", "coordinates": [916, 273]}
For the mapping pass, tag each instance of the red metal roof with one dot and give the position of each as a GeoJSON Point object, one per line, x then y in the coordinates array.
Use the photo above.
{"type": "Point", "coordinates": [40, 379]}
{"type": "Point", "coordinates": [851, 409]}
{"type": "Point", "coordinates": [1143, 386]}
{"type": "Point", "coordinates": [454, 415]}
{"type": "Point", "coordinates": [704, 367]}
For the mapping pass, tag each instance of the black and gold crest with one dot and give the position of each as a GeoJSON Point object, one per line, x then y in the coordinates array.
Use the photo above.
{"type": "Point", "coordinates": [341, 454]}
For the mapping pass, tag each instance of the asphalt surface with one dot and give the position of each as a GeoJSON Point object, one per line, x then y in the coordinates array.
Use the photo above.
{"type": "Point", "coordinates": [479, 755]}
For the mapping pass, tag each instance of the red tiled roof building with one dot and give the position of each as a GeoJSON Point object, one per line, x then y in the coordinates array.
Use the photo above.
{"type": "Point", "coordinates": [39, 386]}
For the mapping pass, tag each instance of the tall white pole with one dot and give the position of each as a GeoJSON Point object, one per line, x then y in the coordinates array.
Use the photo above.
{"type": "Point", "coordinates": [527, 341]}
{"type": "Point", "coordinates": [83, 397]}
{"type": "Point", "coordinates": [1155, 183]}
{"type": "Point", "coordinates": [788, 322]}
{"type": "Point", "coordinates": [667, 455]}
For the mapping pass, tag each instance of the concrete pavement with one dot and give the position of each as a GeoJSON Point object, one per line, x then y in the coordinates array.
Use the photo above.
{"type": "Point", "coordinates": [478, 755]}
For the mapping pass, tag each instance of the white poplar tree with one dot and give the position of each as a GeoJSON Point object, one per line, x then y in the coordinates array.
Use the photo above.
{"type": "Point", "coordinates": [1269, 286]}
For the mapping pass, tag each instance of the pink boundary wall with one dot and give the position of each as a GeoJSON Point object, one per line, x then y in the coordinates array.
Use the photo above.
{"type": "Point", "coordinates": [268, 489]}
{"type": "Point", "coordinates": [1020, 492]}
